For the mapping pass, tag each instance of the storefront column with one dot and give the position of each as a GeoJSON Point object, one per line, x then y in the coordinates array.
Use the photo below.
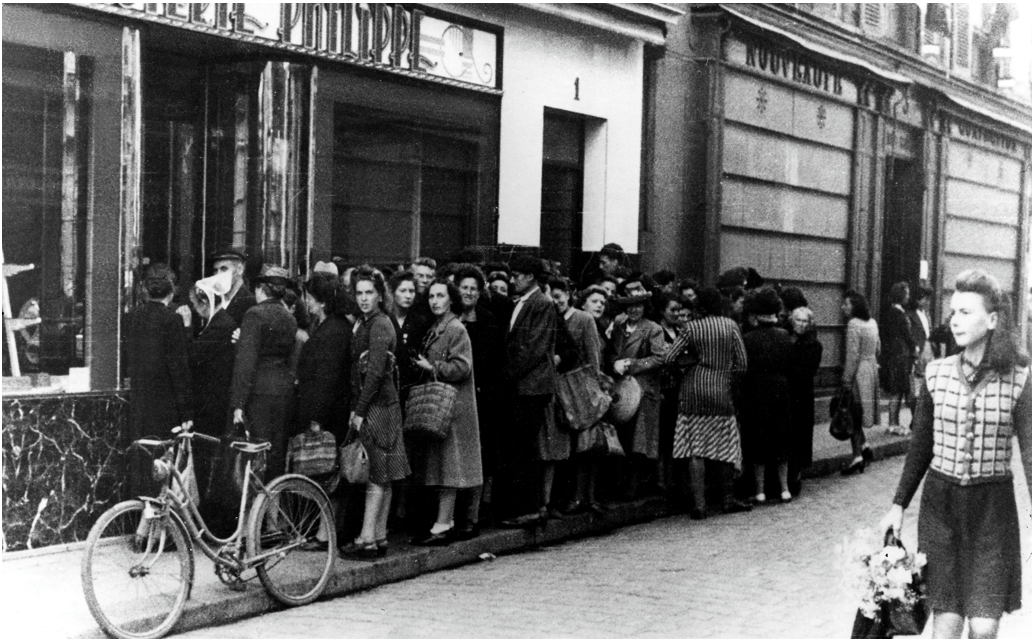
{"type": "Point", "coordinates": [284, 205]}
{"type": "Point", "coordinates": [1024, 247]}
{"type": "Point", "coordinates": [129, 180]}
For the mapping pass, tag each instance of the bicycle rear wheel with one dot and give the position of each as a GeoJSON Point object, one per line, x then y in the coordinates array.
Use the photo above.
{"type": "Point", "coordinates": [292, 523]}
{"type": "Point", "coordinates": [137, 574]}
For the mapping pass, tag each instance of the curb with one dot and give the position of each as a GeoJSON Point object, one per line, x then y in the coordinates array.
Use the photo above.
{"type": "Point", "coordinates": [407, 562]}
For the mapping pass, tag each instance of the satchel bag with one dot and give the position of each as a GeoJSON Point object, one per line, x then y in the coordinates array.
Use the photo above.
{"type": "Point", "coordinates": [312, 453]}
{"type": "Point", "coordinates": [600, 439]}
{"type": "Point", "coordinates": [353, 460]}
{"type": "Point", "coordinates": [581, 397]}
{"type": "Point", "coordinates": [842, 415]}
{"type": "Point", "coordinates": [428, 412]}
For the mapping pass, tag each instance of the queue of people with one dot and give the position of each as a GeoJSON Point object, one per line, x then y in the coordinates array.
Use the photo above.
{"type": "Point", "coordinates": [714, 385]}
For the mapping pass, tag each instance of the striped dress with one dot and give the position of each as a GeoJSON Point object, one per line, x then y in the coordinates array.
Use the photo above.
{"type": "Point", "coordinates": [706, 425]}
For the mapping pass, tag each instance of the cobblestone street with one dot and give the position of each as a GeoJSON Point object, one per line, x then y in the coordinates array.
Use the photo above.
{"type": "Point", "coordinates": [771, 573]}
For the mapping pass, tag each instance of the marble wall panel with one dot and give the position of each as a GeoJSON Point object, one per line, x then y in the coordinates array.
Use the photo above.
{"type": "Point", "coordinates": [63, 465]}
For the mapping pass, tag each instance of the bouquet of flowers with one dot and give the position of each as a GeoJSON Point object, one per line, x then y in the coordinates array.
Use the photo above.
{"type": "Point", "coordinates": [889, 583]}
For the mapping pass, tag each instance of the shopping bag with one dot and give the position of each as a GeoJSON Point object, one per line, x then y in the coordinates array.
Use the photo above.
{"type": "Point", "coordinates": [353, 460]}
{"type": "Point", "coordinates": [581, 397]}
{"type": "Point", "coordinates": [312, 453]}
{"type": "Point", "coordinates": [843, 413]}
{"type": "Point", "coordinates": [600, 439]}
{"type": "Point", "coordinates": [185, 465]}
{"type": "Point", "coordinates": [428, 412]}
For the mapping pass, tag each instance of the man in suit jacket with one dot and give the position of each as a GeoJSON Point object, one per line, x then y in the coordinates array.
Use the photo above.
{"type": "Point", "coordinates": [530, 369]}
{"type": "Point", "coordinates": [239, 298]}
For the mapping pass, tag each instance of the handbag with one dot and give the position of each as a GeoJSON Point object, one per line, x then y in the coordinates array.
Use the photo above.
{"type": "Point", "coordinates": [581, 397]}
{"type": "Point", "coordinates": [428, 412]}
{"type": "Point", "coordinates": [600, 439]}
{"type": "Point", "coordinates": [353, 460]}
{"type": "Point", "coordinates": [312, 453]}
{"type": "Point", "coordinates": [842, 415]}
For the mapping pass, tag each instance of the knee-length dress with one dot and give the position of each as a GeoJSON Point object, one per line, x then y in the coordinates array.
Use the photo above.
{"type": "Point", "coordinates": [714, 353]}
{"type": "Point", "coordinates": [861, 368]}
{"type": "Point", "coordinates": [373, 383]}
{"type": "Point", "coordinates": [963, 429]}
{"type": "Point", "coordinates": [454, 462]}
{"type": "Point", "coordinates": [766, 405]}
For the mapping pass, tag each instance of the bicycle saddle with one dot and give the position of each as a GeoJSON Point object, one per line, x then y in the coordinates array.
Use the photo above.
{"type": "Point", "coordinates": [250, 448]}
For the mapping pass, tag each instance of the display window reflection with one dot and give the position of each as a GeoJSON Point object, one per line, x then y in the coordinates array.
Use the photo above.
{"type": "Point", "coordinates": [46, 171]}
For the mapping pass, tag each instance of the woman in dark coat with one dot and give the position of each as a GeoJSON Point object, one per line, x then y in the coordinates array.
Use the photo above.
{"type": "Point", "coordinates": [806, 359]}
{"type": "Point", "coordinates": [376, 412]}
{"type": "Point", "coordinates": [263, 384]}
{"type": "Point", "coordinates": [323, 374]}
{"type": "Point", "coordinates": [488, 339]}
{"type": "Point", "coordinates": [898, 352]}
{"type": "Point", "coordinates": [157, 361]}
{"type": "Point", "coordinates": [454, 463]}
{"type": "Point", "coordinates": [671, 316]}
{"type": "Point", "coordinates": [766, 408]}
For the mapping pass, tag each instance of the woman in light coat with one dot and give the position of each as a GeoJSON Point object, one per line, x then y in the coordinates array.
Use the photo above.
{"type": "Point", "coordinates": [455, 462]}
{"type": "Point", "coordinates": [860, 373]}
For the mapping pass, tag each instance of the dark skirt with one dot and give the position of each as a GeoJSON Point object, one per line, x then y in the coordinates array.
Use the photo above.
{"type": "Point", "coordinates": [381, 436]}
{"type": "Point", "coordinates": [971, 537]}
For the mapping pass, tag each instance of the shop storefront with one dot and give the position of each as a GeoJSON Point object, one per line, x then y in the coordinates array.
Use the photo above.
{"type": "Point", "coordinates": [137, 133]}
{"type": "Point", "coordinates": [825, 170]}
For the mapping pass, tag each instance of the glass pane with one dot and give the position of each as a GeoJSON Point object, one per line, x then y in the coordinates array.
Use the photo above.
{"type": "Point", "coordinates": [45, 179]}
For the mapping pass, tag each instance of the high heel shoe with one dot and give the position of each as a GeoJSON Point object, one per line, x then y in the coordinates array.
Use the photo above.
{"type": "Point", "coordinates": [857, 466]}
{"type": "Point", "coordinates": [868, 455]}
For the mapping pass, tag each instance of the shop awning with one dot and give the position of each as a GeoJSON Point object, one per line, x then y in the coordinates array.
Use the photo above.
{"type": "Point", "coordinates": [992, 115]}
{"type": "Point", "coordinates": [821, 49]}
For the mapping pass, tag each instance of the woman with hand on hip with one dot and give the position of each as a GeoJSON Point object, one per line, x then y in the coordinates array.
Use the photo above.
{"type": "Point", "coordinates": [971, 406]}
{"type": "Point", "coordinates": [447, 356]}
{"type": "Point", "coordinates": [376, 414]}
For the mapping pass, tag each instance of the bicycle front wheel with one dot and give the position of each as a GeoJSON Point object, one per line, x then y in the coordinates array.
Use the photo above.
{"type": "Point", "coordinates": [291, 525]}
{"type": "Point", "coordinates": [137, 572]}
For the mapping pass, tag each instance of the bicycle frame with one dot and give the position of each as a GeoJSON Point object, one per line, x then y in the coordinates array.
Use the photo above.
{"type": "Point", "coordinates": [188, 513]}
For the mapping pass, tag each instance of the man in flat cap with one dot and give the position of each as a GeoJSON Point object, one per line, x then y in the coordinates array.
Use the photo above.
{"type": "Point", "coordinates": [239, 298]}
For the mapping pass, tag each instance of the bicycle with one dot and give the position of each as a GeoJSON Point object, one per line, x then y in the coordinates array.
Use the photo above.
{"type": "Point", "coordinates": [138, 568]}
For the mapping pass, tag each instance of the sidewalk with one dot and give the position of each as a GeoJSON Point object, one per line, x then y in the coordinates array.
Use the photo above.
{"type": "Point", "coordinates": [42, 595]}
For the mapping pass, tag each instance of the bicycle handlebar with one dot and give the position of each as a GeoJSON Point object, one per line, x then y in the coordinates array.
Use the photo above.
{"type": "Point", "coordinates": [180, 434]}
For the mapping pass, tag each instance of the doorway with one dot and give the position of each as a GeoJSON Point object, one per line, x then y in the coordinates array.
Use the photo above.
{"type": "Point", "coordinates": [562, 188]}
{"type": "Point", "coordinates": [901, 233]}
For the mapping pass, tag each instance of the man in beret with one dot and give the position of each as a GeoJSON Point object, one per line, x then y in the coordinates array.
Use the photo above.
{"type": "Point", "coordinates": [239, 298]}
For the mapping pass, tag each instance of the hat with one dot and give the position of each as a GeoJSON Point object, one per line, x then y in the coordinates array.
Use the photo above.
{"type": "Point", "coordinates": [229, 253]}
{"type": "Point", "coordinates": [634, 292]}
{"type": "Point", "coordinates": [218, 284]}
{"type": "Point", "coordinates": [528, 265]}
{"type": "Point", "coordinates": [626, 399]}
{"type": "Point", "coordinates": [326, 267]}
{"type": "Point", "coordinates": [272, 274]}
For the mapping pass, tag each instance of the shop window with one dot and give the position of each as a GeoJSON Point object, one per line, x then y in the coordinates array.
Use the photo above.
{"type": "Point", "coordinates": [46, 177]}
{"type": "Point", "coordinates": [401, 188]}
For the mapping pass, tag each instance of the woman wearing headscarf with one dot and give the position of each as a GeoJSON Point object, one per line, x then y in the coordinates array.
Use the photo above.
{"type": "Point", "coordinates": [452, 464]}
{"type": "Point", "coordinates": [211, 366]}
{"type": "Point", "coordinates": [712, 349]}
{"type": "Point", "coordinates": [766, 409]}
{"type": "Point", "coordinates": [806, 360]}
{"type": "Point", "coordinates": [637, 349]}
{"type": "Point", "coordinates": [263, 384]}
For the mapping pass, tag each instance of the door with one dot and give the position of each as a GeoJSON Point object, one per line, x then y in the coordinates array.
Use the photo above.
{"type": "Point", "coordinates": [901, 238]}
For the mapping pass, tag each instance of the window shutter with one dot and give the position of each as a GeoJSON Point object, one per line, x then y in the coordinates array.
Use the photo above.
{"type": "Point", "coordinates": [873, 18]}
{"type": "Point", "coordinates": [961, 36]}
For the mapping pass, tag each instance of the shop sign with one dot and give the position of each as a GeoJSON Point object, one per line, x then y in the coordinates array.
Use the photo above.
{"type": "Point", "coordinates": [392, 37]}
{"type": "Point", "coordinates": [976, 133]}
{"type": "Point", "coordinates": [789, 65]}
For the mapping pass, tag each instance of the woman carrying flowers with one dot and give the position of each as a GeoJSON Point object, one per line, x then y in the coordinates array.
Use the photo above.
{"type": "Point", "coordinates": [970, 407]}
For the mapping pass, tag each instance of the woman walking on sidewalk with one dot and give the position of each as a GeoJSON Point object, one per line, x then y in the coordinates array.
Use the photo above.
{"type": "Point", "coordinates": [971, 406]}
{"type": "Point", "coordinates": [860, 374]}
